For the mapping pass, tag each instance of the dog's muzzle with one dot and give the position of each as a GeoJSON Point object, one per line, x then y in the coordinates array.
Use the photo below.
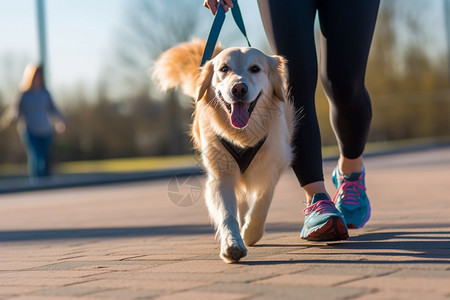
{"type": "Point", "coordinates": [240, 111]}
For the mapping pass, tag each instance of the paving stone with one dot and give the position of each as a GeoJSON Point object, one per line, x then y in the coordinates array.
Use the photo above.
{"type": "Point", "coordinates": [9, 291]}
{"type": "Point", "coordinates": [270, 266]}
{"type": "Point", "coordinates": [395, 283]}
{"type": "Point", "coordinates": [123, 294]}
{"type": "Point", "coordinates": [237, 277]}
{"type": "Point", "coordinates": [68, 291]}
{"type": "Point", "coordinates": [47, 297]}
{"type": "Point", "coordinates": [195, 266]}
{"type": "Point", "coordinates": [166, 257]}
{"type": "Point", "coordinates": [401, 295]}
{"type": "Point", "coordinates": [352, 270]}
{"type": "Point", "coordinates": [153, 285]}
{"type": "Point", "coordinates": [35, 282]}
{"type": "Point", "coordinates": [99, 258]}
{"type": "Point", "coordinates": [103, 265]}
{"type": "Point", "coordinates": [49, 274]}
{"type": "Point", "coordinates": [302, 279]}
{"type": "Point", "coordinates": [262, 291]}
{"type": "Point", "coordinates": [414, 273]}
{"type": "Point", "coordinates": [205, 296]}
{"type": "Point", "coordinates": [20, 265]}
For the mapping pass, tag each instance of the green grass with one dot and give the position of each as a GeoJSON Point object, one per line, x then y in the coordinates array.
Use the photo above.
{"type": "Point", "coordinates": [111, 165]}
{"type": "Point", "coordinates": [127, 164]}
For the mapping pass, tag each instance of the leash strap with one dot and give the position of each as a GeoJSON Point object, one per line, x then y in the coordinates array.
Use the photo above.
{"type": "Point", "coordinates": [237, 16]}
{"type": "Point", "coordinates": [217, 26]}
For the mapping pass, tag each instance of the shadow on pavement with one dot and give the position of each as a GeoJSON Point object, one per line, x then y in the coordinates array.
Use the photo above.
{"type": "Point", "coordinates": [120, 232]}
{"type": "Point", "coordinates": [87, 233]}
{"type": "Point", "coordinates": [429, 244]}
{"type": "Point", "coordinates": [400, 246]}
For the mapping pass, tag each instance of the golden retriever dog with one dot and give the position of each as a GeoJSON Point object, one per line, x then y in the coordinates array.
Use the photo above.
{"type": "Point", "coordinates": [242, 126]}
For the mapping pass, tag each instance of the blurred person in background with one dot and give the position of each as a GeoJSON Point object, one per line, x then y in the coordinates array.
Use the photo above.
{"type": "Point", "coordinates": [38, 119]}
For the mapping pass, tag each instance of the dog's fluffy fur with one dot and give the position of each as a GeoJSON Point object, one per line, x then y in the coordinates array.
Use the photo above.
{"type": "Point", "coordinates": [224, 89]}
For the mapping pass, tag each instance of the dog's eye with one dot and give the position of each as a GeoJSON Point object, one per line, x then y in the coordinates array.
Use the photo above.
{"type": "Point", "coordinates": [255, 69]}
{"type": "Point", "coordinates": [224, 69]}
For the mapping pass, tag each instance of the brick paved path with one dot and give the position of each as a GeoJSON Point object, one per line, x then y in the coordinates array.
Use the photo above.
{"type": "Point", "coordinates": [130, 241]}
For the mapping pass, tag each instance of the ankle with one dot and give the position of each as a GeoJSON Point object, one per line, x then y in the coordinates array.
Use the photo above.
{"type": "Point", "coordinates": [314, 188]}
{"type": "Point", "coordinates": [348, 166]}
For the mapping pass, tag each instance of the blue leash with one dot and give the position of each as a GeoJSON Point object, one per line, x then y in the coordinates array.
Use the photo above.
{"type": "Point", "coordinates": [217, 26]}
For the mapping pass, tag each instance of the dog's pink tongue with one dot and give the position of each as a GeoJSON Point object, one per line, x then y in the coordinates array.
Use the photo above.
{"type": "Point", "coordinates": [239, 114]}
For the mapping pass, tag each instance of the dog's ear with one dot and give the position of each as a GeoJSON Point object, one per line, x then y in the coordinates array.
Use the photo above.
{"type": "Point", "coordinates": [204, 80]}
{"type": "Point", "coordinates": [278, 77]}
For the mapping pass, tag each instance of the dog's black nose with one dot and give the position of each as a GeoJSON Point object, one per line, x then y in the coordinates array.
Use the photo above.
{"type": "Point", "coordinates": [239, 90]}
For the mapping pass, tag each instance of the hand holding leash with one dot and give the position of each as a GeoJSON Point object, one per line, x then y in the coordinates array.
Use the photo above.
{"type": "Point", "coordinates": [213, 5]}
{"type": "Point", "coordinates": [218, 22]}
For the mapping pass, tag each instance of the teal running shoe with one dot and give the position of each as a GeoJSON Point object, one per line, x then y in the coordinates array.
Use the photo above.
{"type": "Point", "coordinates": [323, 221]}
{"type": "Point", "coordinates": [351, 198]}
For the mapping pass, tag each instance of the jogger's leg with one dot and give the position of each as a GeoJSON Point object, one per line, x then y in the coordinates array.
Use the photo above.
{"type": "Point", "coordinates": [290, 29]}
{"type": "Point", "coordinates": [347, 28]}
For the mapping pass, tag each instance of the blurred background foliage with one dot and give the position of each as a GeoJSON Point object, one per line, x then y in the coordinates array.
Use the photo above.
{"type": "Point", "coordinates": [408, 80]}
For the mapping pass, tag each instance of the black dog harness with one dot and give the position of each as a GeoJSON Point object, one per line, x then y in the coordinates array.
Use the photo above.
{"type": "Point", "coordinates": [242, 156]}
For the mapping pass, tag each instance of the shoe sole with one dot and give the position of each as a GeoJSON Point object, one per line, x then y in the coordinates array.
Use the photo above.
{"type": "Point", "coordinates": [333, 230]}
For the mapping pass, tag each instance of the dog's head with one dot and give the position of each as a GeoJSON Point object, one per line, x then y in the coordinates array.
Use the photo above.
{"type": "Point", "coordinates": [239, 78]}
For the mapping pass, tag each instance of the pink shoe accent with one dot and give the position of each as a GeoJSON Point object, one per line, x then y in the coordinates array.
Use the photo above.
{"type": "Point", "coordinates": [321, 207]}
{"type": "Point", "coordinates": [350, 190]}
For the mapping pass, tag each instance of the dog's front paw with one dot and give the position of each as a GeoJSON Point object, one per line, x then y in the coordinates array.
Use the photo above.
{"type": "Point", "coordinates": [233, 252]}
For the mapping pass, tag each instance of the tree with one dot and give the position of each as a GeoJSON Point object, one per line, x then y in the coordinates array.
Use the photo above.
{"type": "Point", "coordinates": [152, 27]}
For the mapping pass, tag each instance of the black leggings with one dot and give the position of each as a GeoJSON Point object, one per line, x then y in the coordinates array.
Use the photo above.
{"type": "Point", "coordinates": [346, 34]}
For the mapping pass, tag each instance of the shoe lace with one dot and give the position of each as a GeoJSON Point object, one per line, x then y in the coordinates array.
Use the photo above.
{"type": "Point", "coordinates": [321, 207]}
{"type": "Point", "coordinates": [350, 191]}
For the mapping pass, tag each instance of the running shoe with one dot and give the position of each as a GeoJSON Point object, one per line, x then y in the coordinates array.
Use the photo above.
{"type": "Point", "coordinates": [323, 221]}
{"type": "Point", "coordinates": [351, 198]}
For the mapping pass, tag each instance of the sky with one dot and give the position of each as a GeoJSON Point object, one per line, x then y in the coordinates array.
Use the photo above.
{"type": "Point", "coordinates": [80, 33]}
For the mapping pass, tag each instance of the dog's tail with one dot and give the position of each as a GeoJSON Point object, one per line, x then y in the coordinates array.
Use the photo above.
{"type": "Point", "coordinates": [180, 66]}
